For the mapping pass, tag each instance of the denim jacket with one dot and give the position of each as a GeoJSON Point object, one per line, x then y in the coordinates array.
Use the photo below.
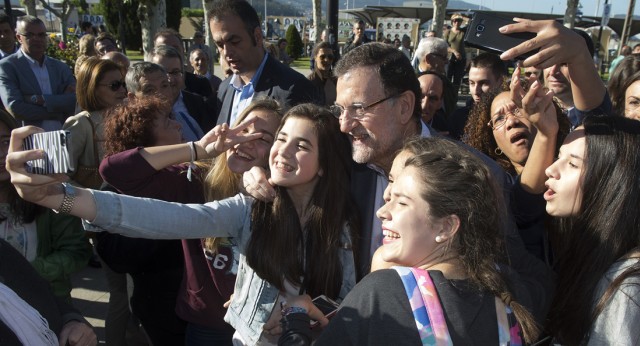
{"type": "Point", "coordinates": [254, 298]}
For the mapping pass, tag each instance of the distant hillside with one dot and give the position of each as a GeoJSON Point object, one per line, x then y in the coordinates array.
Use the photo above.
{"type": "Point", "coordinates": [304, 7]}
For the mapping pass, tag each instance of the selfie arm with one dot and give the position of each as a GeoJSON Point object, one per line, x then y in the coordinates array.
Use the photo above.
{"type": "Point", "coordinates": [559, 45]}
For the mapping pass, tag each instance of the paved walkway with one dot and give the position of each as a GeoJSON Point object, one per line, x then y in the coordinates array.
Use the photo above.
{"type": "Point", "coordinates": [90, 296]}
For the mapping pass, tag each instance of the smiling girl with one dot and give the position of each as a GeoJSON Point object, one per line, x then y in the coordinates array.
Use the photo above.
{"type": "Point", "coordinates": [298, 244]}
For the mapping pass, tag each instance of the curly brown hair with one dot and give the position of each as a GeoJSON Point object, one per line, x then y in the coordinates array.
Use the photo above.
{"type": "Point", "coordinates": [479, 135]}
{"type": "Point", "coordinates": [130, 125]}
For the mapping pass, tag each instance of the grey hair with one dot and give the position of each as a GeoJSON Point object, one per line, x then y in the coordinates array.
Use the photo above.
{"type": "Point", "coordinates": [29, 20]}
{"type": "Point", "coordinates": [431, 45]}
{"type": "Point", "coordinates": [167, 52]}
{"type": "Point", "coordinates": [139, 70]}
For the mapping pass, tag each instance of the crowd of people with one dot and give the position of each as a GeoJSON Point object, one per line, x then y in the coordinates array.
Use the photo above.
{"type": "Point", "coordinates": [219, 208]}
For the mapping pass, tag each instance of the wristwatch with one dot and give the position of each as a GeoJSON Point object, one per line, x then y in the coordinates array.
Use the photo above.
{"type": "Point", "coordinates": [67, 200]}
{"type": "Point", "coordinates": [34, 99]}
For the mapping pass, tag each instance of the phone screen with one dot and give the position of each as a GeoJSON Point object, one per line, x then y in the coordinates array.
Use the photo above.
{"type": "Point", "coordinates": [326, 306]}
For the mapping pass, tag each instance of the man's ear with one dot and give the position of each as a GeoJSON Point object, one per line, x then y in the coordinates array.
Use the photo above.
{"type": "Point", "coordinates": [406, 104]}
{"type": "Point", "coordinates": [257, 34]}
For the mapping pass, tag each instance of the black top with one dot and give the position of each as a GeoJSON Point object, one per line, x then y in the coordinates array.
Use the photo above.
{"type": "Point", "coordinates": [377, 312]}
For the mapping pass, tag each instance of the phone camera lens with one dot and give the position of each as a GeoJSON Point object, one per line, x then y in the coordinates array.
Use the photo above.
{"type": "Point", "coordinates": [480, 28]}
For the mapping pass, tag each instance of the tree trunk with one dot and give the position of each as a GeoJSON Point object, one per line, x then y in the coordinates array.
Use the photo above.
{"type": "Point", "coordinates": [152, 15]}
{"type": "Point", "coordinates": [439, 8]}
{"type": "Point", "coordinates": [317, 17]}
{"type": "Point", "coordinates": [62, 14]}
{"type": "Point", "coordinates": [570, 13]}
{"type": "Point", "coordinates": [30, 6]}
{"type": "Point", "coordinates": [207, 5]}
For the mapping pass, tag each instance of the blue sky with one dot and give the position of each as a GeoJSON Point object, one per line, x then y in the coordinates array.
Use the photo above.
{"type": "Point", "coordinates": [558, 6]}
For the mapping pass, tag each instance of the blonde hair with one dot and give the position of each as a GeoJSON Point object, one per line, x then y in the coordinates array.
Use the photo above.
{"type": "Point", "coordinates": [220, 182]}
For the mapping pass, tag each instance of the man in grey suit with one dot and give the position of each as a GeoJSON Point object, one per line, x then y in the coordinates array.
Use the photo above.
{"type": "Point", "coordinates": [36, 89]}
{"type": "Point", "coordinates": [235, 27]}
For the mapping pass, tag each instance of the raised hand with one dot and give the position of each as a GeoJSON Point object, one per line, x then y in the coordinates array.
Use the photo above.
{"type": "Point", "coordinates": [31, 187]}
{"type": "Point", "coordinates": [222, 138]}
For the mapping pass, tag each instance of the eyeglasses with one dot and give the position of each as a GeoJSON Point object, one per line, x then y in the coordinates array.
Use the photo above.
{"type": "Point", "coordinates": [500, 119]}
{"type": "Point", "coordinates": [458, 20]}
{"type": "Point", "coordinates": [30, 35]}
{"type": "Point", "coordinates": [115, 86]}
{"type": "Point", "coordinates": [359, 107]}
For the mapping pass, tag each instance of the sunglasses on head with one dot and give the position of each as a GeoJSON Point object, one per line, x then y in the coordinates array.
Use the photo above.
{"type": "Point", "coordinates": [115, 86]}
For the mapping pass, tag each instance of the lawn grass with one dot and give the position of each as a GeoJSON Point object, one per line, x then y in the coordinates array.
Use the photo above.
{"type": "Point", "coordinates": [134, 55]}
{"type": "Point", "coordinates": [301, 63]}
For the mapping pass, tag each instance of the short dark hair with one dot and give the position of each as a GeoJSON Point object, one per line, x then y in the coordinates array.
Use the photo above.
{"type": "Point", "coordinates": [239, 8]}
{"type": "Point", "coordinates": [167, 32]}
{"type": "Point", "coordinates": [86, 25]}
{"type": "Point", "coordinates": [5, 18]}
{"type": "Point", "coordinates": [317, 47]}
{"type": "Point", "coordinates": [395, 70]}
{"type": "Point", "coordinates": [106, 36]}
{"type": "Point", "coordinates": [492, 62]}
{"type": "Point", "coordinates": [282, 40]}
{"type": "Point", "coordinates": [167, 52]}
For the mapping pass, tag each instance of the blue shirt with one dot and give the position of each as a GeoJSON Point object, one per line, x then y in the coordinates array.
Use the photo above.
{"type": "Point", "coordinates": [244, 93]}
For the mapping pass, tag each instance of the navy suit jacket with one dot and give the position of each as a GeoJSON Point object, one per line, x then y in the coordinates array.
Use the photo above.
{"type": "Point", "coordinates": [197, 85]}
{"type": "Point", "coordinates": [533, 272]}
{"type": "Point", "coordinates": [202, 110]}
{"type": "Point", "coordinates": [17, 80]}
{"type": "Point", "coordinates": [277, 81]}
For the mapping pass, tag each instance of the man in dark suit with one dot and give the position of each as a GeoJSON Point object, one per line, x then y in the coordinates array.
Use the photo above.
{"type": "Point", "coordinates": [192, 111]}
{"type": "Point", "coordinates": [36, 89]}
{"type": "Point", "coordinates": [378, 105]}
{"type": "Point", "coordinates": [235, 27]}
{"type": "Point", "coordinates": [7, 36]}
{"type": "Point", "coordinates": [193, 83]}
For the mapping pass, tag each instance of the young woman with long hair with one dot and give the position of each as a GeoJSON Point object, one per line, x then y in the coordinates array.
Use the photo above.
{"type": "Point", "coordinates": [593, 187]}
{"type": "Point", "coordinates": [440, 221]}
{"type": "Point", "coordinates": [298, 244]}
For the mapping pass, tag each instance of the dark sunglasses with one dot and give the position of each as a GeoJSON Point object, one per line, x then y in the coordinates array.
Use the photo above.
{"type": "Point", "coordinates": [115, 86]}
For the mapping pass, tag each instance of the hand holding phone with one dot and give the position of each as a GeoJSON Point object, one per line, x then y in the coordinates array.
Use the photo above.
{"type": "Point", "coordinates": [327, 306]}
{"type": "Point", "coordinates": [55, 145]}
{"type": "Point", "coordinates": [483, 33]}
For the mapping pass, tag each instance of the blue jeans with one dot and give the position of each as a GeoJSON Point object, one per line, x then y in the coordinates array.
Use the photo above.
{"type": "Point", "coordinates": [203, 336]}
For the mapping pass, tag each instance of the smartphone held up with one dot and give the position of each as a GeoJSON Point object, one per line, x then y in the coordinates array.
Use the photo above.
{"type": "Point", "coordinates": [56, 152]}
{"type": "Point", "coordinates": [483, 33]}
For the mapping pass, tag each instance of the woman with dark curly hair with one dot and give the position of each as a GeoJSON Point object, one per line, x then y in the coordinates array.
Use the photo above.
{"type": "Point", "coordinates": [509, 134]}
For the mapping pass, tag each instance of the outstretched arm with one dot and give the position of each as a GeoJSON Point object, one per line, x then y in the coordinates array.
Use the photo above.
{"type": "Point", "coordinates": [218, 140]}
{"type": "Point", "coordinates": [559, 45]}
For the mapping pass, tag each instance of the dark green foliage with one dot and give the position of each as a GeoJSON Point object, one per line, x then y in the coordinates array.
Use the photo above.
{"type": "Point", "coordinates": [294, 42]}
{"type": "Point", "coordinates": [131, 24]}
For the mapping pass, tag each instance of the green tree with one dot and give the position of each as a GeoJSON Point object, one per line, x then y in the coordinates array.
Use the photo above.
{"type": "Point", "coordinates": [112, 10]}
{"type": "Point", "coordinates": [294, 42]}
{"type": "Point", "coordinates": [63, 12]}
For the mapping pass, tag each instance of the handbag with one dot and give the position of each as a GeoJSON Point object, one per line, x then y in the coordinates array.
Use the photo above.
{"type": "Point", "coordinates": [88, 176]}
{"type": "Point", "coordinates": [430, 321]}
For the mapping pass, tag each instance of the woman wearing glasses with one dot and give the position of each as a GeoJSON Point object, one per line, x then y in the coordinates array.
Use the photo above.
{"type": "Point", "coordinates": [523, 145]}
{"type": "Point", "coordinates": [100, 86]}
{"type": "Point", "coordinates": [322, 75]}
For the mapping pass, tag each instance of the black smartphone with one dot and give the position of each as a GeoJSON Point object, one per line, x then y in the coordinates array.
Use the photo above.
{"type": "Point", "coordinates": [482, 33]}
{"type": "Point", "coordinates": [56, 152]}
{"type": "Point", "coordinates": [327, 306]}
